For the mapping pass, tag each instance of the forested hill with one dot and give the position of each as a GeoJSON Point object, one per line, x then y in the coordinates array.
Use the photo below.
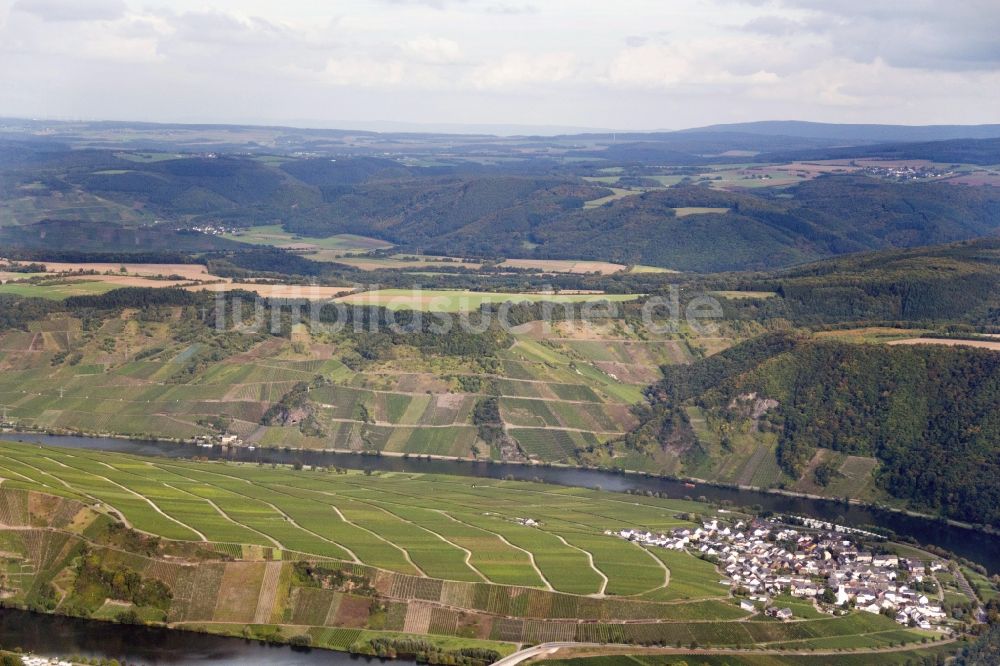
{"type": "Point", "coordinates": [957, 282]}
{"type": "Point", "coordinates": [531, 209]}
{"type": "Point", "coordinates": [820, 218]}
{"type": "Point", "coordinates": [928, 413]}
{"type": "Point", "coordinates": [540, 217]}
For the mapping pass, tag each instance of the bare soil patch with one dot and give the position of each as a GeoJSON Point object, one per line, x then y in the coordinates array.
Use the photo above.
{"type": "Point", "coordinates": [131, 281]}
{"type": "Point", "coordinates": [186, 271]}
{"type": "Point", "coordinates": [981, 344]}
{"type": "Point", "coordinates": [565, 266]}
{"type": "Point", "coordinates": [309, 292]}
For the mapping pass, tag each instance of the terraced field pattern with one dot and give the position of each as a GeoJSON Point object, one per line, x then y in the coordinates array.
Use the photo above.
{"type": "Point", "coordinates": [345, 557]}
{"type": "Point", "coordinates": [560, 390]}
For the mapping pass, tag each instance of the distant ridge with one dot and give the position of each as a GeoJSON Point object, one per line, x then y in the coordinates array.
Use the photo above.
{"type": "Point", "coordinates": [860, 132]}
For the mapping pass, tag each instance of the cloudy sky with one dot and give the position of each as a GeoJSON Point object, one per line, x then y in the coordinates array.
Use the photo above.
{"type": "Point", "coordinates": [622, 64]}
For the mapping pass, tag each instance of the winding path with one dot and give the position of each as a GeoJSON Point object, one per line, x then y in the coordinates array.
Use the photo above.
{"type": "Point", "coordinates": [590, 559]}
{"type": "Point", "coordinates": [531, 556]}
{"type": "Point", "coordinates": [279, 512]}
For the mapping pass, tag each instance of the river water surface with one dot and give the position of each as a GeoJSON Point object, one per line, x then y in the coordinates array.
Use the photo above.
{"type": "Point", "coordinates": [58, 636]}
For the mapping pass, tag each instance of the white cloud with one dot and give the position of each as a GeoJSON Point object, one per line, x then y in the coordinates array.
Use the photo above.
{"type": "Point", "coordinates": [433, 50]}
{"type": "Point", "coordinates": [72, 10]}
{"type": "Point", "coordinates": [921, 34]}
{"type": "Point", "coordinates": [521, 69]}
{"type": "Point", "coordinates": [364, 72]}
{"type": "Point", "coordinates": [631, 64]}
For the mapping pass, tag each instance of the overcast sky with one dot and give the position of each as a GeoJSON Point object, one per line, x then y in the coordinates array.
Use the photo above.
{"type": "Point", "coordinates": [622, 64]}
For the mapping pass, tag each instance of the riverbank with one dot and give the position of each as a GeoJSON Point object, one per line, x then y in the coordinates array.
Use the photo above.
{"type": "Point", "coordinates": [53, 635]}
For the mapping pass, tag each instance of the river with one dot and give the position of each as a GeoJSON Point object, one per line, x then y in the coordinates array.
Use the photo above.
{"type": "Point", "coordinates": [58, 636]}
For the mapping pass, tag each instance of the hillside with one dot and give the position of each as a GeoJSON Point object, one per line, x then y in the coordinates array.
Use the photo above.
{"type": "Point", "coordinates": [820, 406]}
{"type": "Point", "coordinates": [544, 218]}
{"type": "Point", "coordinates": [59, 237]}
{"type": "Point", "coordinates": [820, 218]}
{"type": "Point", "coordinates": [861, 133]}
{"type": "Point", "coordinates": [951, 151]}
{"type": "Point", "coordinates": [146, 362]}
{"type": "Point", "coordinates": [538, 208]}
{"type": "Point", "coordinates": [473, 214]}
{"type": "Point", "coordinates": [371, 563]}
{"type": "Point", "coordinates": [956, 283]}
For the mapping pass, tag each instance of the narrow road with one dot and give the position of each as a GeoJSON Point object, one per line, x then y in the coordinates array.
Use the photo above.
{"type": "Point", "coordinates": [548, 649]}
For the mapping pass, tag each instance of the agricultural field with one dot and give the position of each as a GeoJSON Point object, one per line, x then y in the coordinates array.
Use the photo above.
{"type": "Point", "coordinates": [870, 334]}
{"type": "Point", "coordinates": [346, 249]}
{"type": "Point", "coordinates": [949, 342]}
{"type": "Point", "coordinates": [275, 236]}
{"type": "Point", "coordinates": [60, 287]}
{"type": "Point", "coordinates": [616, 193]}
{"type": "Point", "coordinates": [640, 268]}
{"type": "Point", "coordinates": [747, 457]}
{"type": "Point", "coordinates": [561, 388]}
{"type": "Point", "coordinates": [698, 210]}
{"type": "Point", "coordinates": [135, 377]}
{"type": "Point", "coordinates": [425, 526]}
{"type": "Point", "coordinates": [296, 291]}
{"type": "Point", "coordinates": [407, 262]}
{"type": "Point", "coordinates": [564, 266]}
{"type": "Point", "coordinates": [346, 557]}
{"type": "Point", "coordinates": [57, 289]}
{"type": "Point", "coordinates": [63, 279]}
{"type": "Point", "coordinates": [855, 476]}
{"type": "Point", "coordinates": [182, 271]}
{"type": "Point", "coordinates": [743, 294]}
{"type": "Point", "coordinates": [447, 300]}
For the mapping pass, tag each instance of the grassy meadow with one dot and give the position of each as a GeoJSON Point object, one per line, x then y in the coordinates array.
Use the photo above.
{"type": "Point", "coordinates": [57, 289]}
{"type": "Point", "coordinates": [275, 236]}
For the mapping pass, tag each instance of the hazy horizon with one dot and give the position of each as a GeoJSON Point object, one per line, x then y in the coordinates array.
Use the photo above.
{"type": "Point", "coordinates": [639, 66]}
{"type": "Point", "coordinates": [460, 129]}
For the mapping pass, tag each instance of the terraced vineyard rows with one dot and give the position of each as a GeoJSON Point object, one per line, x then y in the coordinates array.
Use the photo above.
{"type": "Point", "coordinates": [339, 603]}
{"type": "Point", "coordinates": [440, 527]}
{"type": "Point", "coordinates": [134, 378]}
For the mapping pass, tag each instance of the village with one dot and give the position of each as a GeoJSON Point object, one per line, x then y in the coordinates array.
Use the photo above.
{"type": "Point", "coordinates": [763, 559]}
{"type": "Point", "coordinates": [225, 441]}
{"type": "Point", "coordinates": [33, 660]}
{"type": "Point", "coordinates": [905, 172]}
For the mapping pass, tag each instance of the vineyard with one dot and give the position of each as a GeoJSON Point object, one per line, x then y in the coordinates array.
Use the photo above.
{"type": "Point", "coordinates": [342, 602]}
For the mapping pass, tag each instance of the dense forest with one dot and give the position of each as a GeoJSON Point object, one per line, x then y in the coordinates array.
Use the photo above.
{"type": "Point", "coordinates": [955, 283]}
{"type": "Point", "coordinates": [825, 217]}
{"type": "Point", "coordinates": [928, 413]}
